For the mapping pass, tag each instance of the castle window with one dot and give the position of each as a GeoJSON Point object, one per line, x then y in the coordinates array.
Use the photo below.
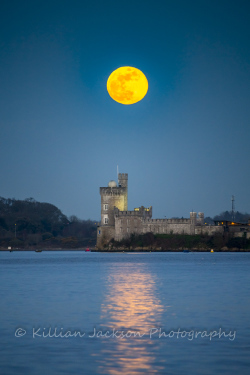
{"type": "Point", "coordinates": [106, 206]}
{"type": "Point", "coordinates": [106, 220]}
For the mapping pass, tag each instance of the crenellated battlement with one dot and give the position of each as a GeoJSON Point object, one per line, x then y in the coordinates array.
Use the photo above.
{"type": "Point", "coordinates": [168, 221]}
{"type": "Point", "coordinates": [123, 180]}
{"type": "Point", "coordinates": [123, 176]}
{"type": "Point", "coordinates": [126, 213]}
{"type": "Point", "coordinates": [141, 212]}
{"type": "Point", "coordinates": [112, 191]}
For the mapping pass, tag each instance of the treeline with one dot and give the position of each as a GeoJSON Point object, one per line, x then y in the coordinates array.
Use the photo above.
{"type": "Point", "coordinates": [239, 217]}
{"type": "Point", "coordinates": [150, 241]}
{"type": "Point", "coordinates": [28, 223]}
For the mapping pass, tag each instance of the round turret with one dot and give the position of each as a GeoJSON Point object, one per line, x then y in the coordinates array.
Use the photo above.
{"type": "Point", "coordinates": [112, 184]}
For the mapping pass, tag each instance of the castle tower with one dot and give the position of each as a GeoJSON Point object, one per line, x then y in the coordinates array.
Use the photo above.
{"type": "Point", "coordinates": [200, 219]}
{"type": "Point", "coordinates": [111, 196]}
{"type": "Point", "coordinates": [123, 182]}
{"type": "Point", "coordinates": [193, 222]}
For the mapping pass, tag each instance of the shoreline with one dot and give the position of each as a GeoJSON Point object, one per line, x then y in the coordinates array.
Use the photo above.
{"type": "Point", "coordinates": [136, 250]}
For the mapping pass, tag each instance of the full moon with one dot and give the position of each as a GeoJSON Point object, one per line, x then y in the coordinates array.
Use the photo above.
{"type": "Point", "coordinates": [127, 85]}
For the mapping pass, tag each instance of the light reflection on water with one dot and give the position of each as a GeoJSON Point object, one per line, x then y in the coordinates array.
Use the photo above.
{"type": "Point", "coordinates": [131, 301]}
{"type": "Point", "coordinates": [130, 305]}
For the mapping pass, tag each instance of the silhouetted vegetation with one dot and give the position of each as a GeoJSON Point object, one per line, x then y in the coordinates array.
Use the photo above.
{"type": "Point", "coordinates": [238, 217]}
{"type": "Point", "coordinates": [28, 223]}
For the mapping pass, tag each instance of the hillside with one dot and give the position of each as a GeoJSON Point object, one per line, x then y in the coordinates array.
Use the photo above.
{"type": "Point", "coordinates": [28, 223]}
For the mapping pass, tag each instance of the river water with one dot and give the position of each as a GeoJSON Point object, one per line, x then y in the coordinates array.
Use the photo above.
{"type": "Point", "coordinates": [73, 312]}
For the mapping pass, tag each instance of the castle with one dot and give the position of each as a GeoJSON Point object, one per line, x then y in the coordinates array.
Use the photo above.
{"type": "Point", "coordinates": [118, 223]}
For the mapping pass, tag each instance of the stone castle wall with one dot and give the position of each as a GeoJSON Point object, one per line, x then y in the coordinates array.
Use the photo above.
{"type": "Point", "coordinates": [104, 234]}
{"type": "Point", "coordinates": [128, 223]}
{"type": "Point", "coordinates": [208, 229]}
{"type": "Point", "coordinates": [168, 226]}
{"type": "Point", "coordinates": [123, 183]}
{"type": "Point", "coordinates": [110, 198]}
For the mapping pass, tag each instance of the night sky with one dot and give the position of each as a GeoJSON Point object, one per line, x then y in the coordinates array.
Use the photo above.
{"type": "Point", "coordinates": [185, 146]}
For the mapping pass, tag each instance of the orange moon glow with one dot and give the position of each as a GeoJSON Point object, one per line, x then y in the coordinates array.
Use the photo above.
{"type": "Point", "coordinates": [127, 85]}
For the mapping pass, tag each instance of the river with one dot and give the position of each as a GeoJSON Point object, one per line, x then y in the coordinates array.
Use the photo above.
{"type": "Point", "coordinates": [72, 312]}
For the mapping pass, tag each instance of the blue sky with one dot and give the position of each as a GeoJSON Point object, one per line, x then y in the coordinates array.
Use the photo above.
{"type": "Point", "coordinates": [185, 146]}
